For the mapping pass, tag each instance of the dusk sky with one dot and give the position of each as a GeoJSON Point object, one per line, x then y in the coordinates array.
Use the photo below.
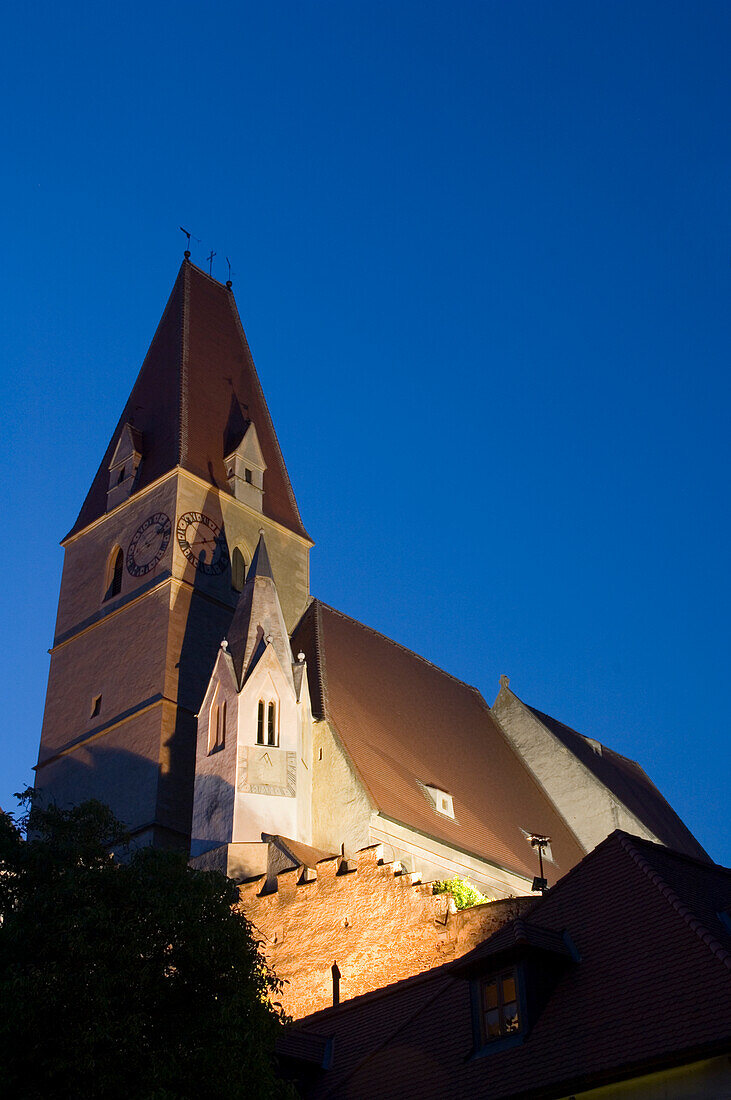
{"type": "Point", "coordinates": [482, 254]}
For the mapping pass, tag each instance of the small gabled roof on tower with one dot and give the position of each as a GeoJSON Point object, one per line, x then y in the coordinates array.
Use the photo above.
{"type": "Point", "coordinates": [194, 397]}
{"type": "Point", "coordinates": [258, 619]}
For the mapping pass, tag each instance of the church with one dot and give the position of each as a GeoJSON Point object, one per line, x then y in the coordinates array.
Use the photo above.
{"type": "Point", "coordinates": [220, 708]}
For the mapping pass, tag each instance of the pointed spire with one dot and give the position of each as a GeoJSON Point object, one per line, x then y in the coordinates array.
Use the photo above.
{"type": "Point", "coordinates": [260, 564]}
{"type": "Point", "coordinates": [198, 368]}
{"type": "Point", "coordinates": [258, 620]}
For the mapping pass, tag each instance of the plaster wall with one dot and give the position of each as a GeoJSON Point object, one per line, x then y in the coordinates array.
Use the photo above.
{"type": "Point", "coordinates": [121, 658]}
{"type": "Point", "coordinates": [341, 808]}
{"type": "Point", "coordinates": [703, 1080]}
{"type": "Point", "coordinates": [86, 559]}
{"type": "Point", "coordinates": [433, 859]}
{"type": "Point", "coordinates": [376, 923]}
{"type": "Point", "coordinates": [288, 553]}
{"type": "Point", "coordinates": [119, 767]}
{"type": "Point", "coordinates": [590, 808]}
{"type": "Point", "coordinates": [215, 772]}
{"type": "Point", "coordinates": [257, 813]}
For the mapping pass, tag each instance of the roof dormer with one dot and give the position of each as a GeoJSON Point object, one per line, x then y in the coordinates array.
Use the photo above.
{"type": "Point", "coordinates": [245, 469]}
{"type": "Point", "coordinates": [124, 466]}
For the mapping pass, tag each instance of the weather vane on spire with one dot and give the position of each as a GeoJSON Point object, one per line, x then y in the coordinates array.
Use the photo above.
{"type": "Point", "coordinates": [188, 235]}
{"type": "Point", "coordinates": [210, 262]}
{"type": "Point", "coordinates": [228, 281]}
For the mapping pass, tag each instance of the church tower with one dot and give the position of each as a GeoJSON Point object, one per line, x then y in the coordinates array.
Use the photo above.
{"type": "Point", "coordinates": [155, 564]}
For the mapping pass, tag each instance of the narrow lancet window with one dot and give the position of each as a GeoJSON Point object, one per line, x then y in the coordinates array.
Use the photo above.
{"type": "Point", "coordinates": [238, 569]}
{"type": "Point", "coordinates": [114, 574]}
{"type": "Point", "coordinates": [272, 724]}
{"type": "Point", "coordinates": [260, 724]}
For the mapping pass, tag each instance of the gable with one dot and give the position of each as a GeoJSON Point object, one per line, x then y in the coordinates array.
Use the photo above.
{"type": "Point", "coordinates": [405, 724]}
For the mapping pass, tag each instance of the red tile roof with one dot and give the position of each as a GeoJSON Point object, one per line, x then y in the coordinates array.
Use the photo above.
{"type": "Point", "coordinates": [651, 989]}
{"type": "Point", "coordinates": [406, 723]}
{"type": "Point", "coordinates": [631, 785]}
{"type": "Point", "coordinates": [196, 391]}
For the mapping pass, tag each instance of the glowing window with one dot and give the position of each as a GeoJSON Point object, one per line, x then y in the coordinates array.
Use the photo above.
{"type": "Point", "coordinates": [500, 1015]}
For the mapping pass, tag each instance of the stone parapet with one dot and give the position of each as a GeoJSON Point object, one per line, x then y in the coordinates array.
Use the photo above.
{"type": "Point", "coordinates": [377, 922]}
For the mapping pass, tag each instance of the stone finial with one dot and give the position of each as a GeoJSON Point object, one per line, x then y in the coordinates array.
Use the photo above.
{"type": "Point", "coordinates": [224, 645]}
{"type": "Point", "coordinates": [300, 656]}
{"type": "Point", "coordinates": [504, 681]}
{"type": "Point", "coordinates": [269, 639]}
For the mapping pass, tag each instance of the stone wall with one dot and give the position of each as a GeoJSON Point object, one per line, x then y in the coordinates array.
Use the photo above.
{"type": "Point", "coordinates": [376, 922]}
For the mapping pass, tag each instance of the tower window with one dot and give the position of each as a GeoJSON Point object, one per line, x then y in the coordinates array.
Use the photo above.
{"type": "Point", "coordinates": [114, 575]}
{"type": "Point", "coordinates": [217, 725]}
{"type": "Point", "coordinates": [120, 478]}
{"type": "Point", "coordinates": [238, 569]}
{"type": "Point", "coordinates": [247, 475]}
{"type": "Point", "coordinates": [266, 723]}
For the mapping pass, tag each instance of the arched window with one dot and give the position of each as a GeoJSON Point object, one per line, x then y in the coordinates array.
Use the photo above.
{"type": "Point", "coordinates": [266, 723]}
{"type": "Point", "coordinates": [217, 725]}
{"type": "Point", "coordinates": [115, 570]}
{"type": "Point", "coordinates": [238, 569]}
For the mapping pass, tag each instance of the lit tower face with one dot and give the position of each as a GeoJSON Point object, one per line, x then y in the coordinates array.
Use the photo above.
{"type": "Point", "coordinates": [154, 565]}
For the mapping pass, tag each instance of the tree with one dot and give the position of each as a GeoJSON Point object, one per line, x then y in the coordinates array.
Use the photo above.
{"type": "Point", "coordinates": [464, 893]}
{"type": "Point", "coordinates": [125, 976]}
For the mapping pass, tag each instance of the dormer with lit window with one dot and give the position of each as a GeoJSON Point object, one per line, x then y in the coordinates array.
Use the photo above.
{"type": "Point", "coordinates": [245, 469]}
{"type": "Point", "coordinates": [124, 466]}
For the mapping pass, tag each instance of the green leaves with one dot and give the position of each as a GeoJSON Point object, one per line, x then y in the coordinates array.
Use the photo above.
{"type": "Point", "coordinates": [130, 976]}
{"type": "Point", "coordinates": [464, 893]}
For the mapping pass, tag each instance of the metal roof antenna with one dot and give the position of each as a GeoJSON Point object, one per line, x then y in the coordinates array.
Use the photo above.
{"type": "Point", "coordinates": [210, 262]}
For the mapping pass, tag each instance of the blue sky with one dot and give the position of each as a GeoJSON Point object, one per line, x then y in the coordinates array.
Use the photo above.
{"type": "Point", "coordinates": [482, 253]}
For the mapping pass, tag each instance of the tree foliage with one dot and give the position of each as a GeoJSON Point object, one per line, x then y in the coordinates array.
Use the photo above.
{"type": "Point", "coordinates": [464, 893]}
{"type": "Point", "coordinates": [125, 977]}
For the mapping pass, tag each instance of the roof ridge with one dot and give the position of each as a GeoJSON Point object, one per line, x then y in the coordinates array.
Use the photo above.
{"type": "Point", "coordinates": [404, 648]}
{"type": "Point", "coordinates": [206, 274]}
{"type": "Point", "coordinates": [586, 737]}
{"type": "Point", "coordinates": [716, 948]}
{"type": "Point", "coordinates": [320, 656]}
{"type": "Point", "coordinates": [265, 407]}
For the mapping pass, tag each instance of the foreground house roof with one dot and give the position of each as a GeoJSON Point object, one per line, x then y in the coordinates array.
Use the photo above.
{"type": "Point", "coordinates": [407, 725]}
{"type": "Point", "coordinates": [647, 987]}
{"type": "Point", "coordinates": [195, 395]}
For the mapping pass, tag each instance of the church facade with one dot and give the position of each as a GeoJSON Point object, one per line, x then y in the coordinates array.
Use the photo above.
{"type": "Point", "coordinates": [199, 688]}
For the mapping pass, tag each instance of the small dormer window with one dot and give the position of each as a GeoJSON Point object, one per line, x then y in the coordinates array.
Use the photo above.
{"type": "Point", "coordinates": [441, 801]}
{"type": "Point", "coordinates": [217, 724]}
{"type": "Point", "coordinates": [124, 466]}
{"type": "Point", "coordinates": [500, 1015]}
{"type": "Point", "coordinates": [245, 469]}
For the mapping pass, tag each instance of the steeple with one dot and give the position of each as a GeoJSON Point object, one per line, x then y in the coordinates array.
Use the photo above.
{"type": "Point", "coordinates": [258, 620]}
{"type": "Point", "coordinates": [194, 400]}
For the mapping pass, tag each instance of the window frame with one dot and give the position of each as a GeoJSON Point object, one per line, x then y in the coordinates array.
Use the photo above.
{"type": "Point", "coordinates": [483, 1044]}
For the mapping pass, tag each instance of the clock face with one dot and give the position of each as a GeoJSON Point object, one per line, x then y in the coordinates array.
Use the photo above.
{"type": "Point", "coordinates": [149, 543]}
{"type": "Point", "coordinates": [203, 543]}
